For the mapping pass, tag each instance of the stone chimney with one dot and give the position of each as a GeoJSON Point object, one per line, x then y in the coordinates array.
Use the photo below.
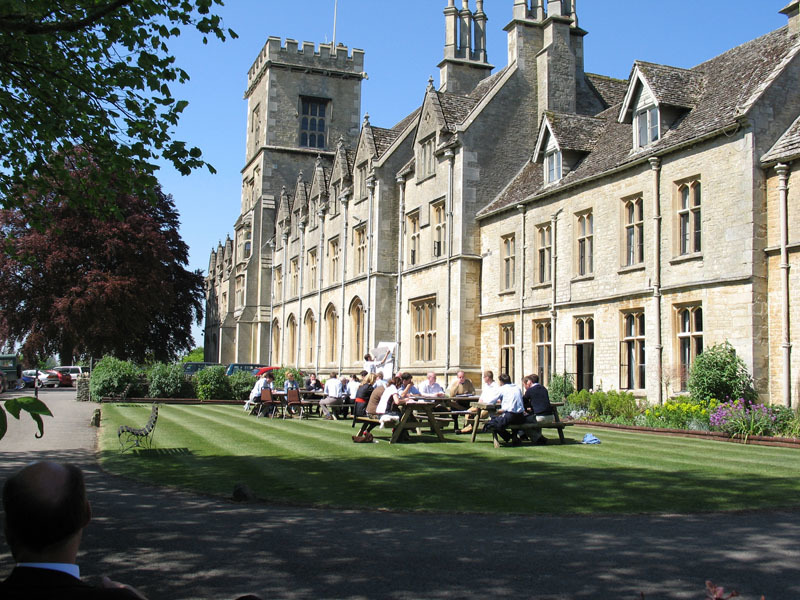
{"type": "Point", "coordinates": [792, 10]}
{"type": "Point", "coordinates": [465, 60]}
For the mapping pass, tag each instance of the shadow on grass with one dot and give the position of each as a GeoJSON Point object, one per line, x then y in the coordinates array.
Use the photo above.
{"type": "Point", "coordinates": [177, 545]}
{"type": "Point", "coordinates": [472, 480]}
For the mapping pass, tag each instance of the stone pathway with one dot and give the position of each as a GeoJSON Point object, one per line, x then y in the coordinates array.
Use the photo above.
{"type": "Point", "coordinates": [173, 544]}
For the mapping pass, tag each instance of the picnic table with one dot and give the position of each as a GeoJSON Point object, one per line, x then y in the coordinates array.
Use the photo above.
{"type": "Point", "coordinates": [410, 417]}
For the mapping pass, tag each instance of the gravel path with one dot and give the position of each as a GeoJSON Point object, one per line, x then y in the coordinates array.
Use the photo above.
{"type": "Point", "coordinates": [173, 544]}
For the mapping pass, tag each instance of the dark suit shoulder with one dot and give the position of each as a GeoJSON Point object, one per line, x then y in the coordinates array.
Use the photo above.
{"type": "Point", "coordinates": [44, 584]}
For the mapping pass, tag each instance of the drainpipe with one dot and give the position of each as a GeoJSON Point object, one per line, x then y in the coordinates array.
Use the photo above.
{"type": "Point", "coordinates": [553, 282]}
{"type": "Point", "coordinates": [655, 165]}
{"type": "Point", "coordinates": [450, 156]}
{"type": "Point", "coordinates": [401, 184]}
{"type": "Point", "coordinates": [320, 267]}
{"type": "Point", "coordinates": [271, 244]}
{"type": "Point", "coordinates": [301, 258]}
{"type": "Point", "coordinates": [368, 307]}
{"type": "Point", "coordinates": [786, 345]}
{"type": "Point", "coordinates": [344, 275]}
{"type": "Point", "coordinates": [284, 274]}
{"type": "Point", "coordinates": [522, 210]}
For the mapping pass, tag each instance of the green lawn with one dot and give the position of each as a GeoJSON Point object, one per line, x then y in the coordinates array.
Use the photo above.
{"type": "Point", "coordinates": [314, 462]}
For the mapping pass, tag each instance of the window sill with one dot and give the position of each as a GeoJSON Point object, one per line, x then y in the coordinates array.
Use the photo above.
{"type": "Point", "coordinates": [541, 286]}
{"type": "Point", "coordinates": [360, 200]}
{"type": "Point", "coordinates": [686, 258]}
{"type": "Point", "coordinates": [425, 178]}
{"type": "Point", "coordinates": [631, 269]}
{"type": "Point", "coordinates": [579, 278]}
{"type": "Point", "coordinates": [507, 293]}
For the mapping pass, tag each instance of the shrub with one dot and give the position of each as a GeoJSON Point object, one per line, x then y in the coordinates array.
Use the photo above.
{"type": "Point", "coordinates": [280, 376]}
{"type": "Point", "coordinates": [613, 404]}
{"type": "Point", "coordinates": [241, 384]}
{"type": "Point", "coordinates": [168, 381]}
{"type": "Point", "coordinates": [560, 387]}
{"type": "Point", "coordinates": [719, 373]}
{"type": "Point", "coordinates": [678, 415]}
{"type": "Point", "coordinates": [787, 421]}
{"type": "Point", "coordinates": [213, 384]}
{"type": "Point", "coordinates": [111, 377]}
{"type": "Point", "coordinates": [741, 419]}
{"type": "Point", "coordinates": [580, 400]}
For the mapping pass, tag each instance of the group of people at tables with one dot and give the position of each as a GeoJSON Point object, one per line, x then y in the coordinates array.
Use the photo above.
{"type": "Point", "coordinates": [382, 399]}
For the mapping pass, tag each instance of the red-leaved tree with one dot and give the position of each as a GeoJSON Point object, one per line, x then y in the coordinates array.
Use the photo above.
{"type": "Point", "coordinates": [80, 284]}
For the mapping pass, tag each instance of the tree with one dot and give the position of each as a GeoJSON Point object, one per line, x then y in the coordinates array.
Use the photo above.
{"type": "Point", "coordinates": [718, 373]}
{"type": "Point", "coordinates": [81, 285]}
{"type": "Point", "coordinates": [92, 74]}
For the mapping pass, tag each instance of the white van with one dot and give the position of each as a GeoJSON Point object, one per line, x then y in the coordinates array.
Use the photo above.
{"type": "Point", "coordinates": [74, 372]}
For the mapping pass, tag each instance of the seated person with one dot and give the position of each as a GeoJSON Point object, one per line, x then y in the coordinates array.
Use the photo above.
{"type": "Point", "coordinates": [461, 386]}
{"type": "Point", "coordinates": [354, 384]}
{"type": "Point", "coordinates": [537, 406]}
{"type": "Point", "coordinates": [488, 396]}
{"type": "Point", "coordinates": [290, 383]}
{"type": "Point", "coordinates": [46, 511]}
{"type": "Point", "coordinates": [390, 397]}
{"type": "Point", "coordinates": [407, 387]}
{"type": "Point", "coordinates": [313, 384]}
{"type": "Point", "coordinates": [430, 388]}
{"type": "Point", "coordinates": [363, 394]}
{"type": "Point", "coordinates": [512, 411]}
{"type": "Point", "coordinates": [255, 393]}
{"type": "Point", "coordinates": [333, 396]}
{"type": "Point", "coordinates": [381, 381]}
{"type": "Point", "coordinates": [375, 398]}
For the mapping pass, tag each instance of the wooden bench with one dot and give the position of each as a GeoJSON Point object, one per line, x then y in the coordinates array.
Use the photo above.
{"type": "Point", "coordinates": [557, 423]}
{"type": "Point", "coordinates": [131, 437]}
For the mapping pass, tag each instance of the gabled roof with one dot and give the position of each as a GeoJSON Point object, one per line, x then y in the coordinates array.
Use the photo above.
{"type": "Point", "coordinates": [321, 179]}
{"type": "Point", "coordinates": [455, 109]}
{"type": "Point", "coordinates": [571, 132]}
{"type": "Point", "coordinates": [383, 138]}
{"type": "Point", "coordinates": [786, 148]}
{"type": "Point", "coordinates": [300, 194]}
{"type": "Point", "coordinates": [733, 83]}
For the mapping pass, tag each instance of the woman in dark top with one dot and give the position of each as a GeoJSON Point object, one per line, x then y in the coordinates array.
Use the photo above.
{"type": "Point", "coordinates": [364, 392]}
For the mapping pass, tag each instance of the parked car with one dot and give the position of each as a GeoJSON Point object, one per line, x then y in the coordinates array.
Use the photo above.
{"type": "Point", "coordinates": [263, 370]}
{"type": "Point", "coordinates": [73, 370]}
{"type": "Point", "coordinates": [64, 378]}
{"type": "Point", "coordinates": [46, 378]}
{"type": "Point", "coordinates": [249, 367]}
{"type": "Point", "coordinates": [190, 368]}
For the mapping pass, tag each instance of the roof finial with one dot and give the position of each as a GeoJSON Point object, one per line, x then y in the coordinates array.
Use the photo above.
{"type": "Point", "coordinates": [366, 119]}
{"type": "Point", "coordinates": [430, 82]}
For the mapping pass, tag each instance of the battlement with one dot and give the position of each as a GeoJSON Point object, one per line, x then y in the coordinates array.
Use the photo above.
{"type": "Point", "coordinates": [307, 56]}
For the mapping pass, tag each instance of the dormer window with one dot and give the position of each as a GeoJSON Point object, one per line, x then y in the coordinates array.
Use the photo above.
{"type": "Point", "coordinates": [552, 166]}
{"type": "Point", "coordinates": [647, 126]}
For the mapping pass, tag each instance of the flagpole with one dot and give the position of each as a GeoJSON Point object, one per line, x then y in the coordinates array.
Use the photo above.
{"type": "Point", "coordinates": [335, 7]}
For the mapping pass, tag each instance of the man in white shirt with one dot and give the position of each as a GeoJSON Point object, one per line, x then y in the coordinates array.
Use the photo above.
{"type": "Point", "coordinates": [512, 411]}
{"type": "Point", "coordinates": [430, 388]}
{"type": "Point", "coordinates": [333, 396]}
{"type": "Point", "coordinates": [488, 396]}
{"type": "Point", "coordinates": [255, 393]}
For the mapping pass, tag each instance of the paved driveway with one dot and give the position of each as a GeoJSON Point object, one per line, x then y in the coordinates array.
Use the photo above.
{"type": "Point", "coordinates": [173, 544]}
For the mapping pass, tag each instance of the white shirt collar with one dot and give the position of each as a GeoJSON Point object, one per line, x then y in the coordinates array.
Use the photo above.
{"type": "Point", "coordinates": [68, 568]}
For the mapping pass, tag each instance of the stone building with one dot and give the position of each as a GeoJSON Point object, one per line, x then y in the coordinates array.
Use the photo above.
{"type": "Point", "coordinates": [537, 218]}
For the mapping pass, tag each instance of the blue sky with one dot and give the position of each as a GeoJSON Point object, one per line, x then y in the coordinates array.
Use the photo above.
{"type": "Point", "coordinates": [403, 41]}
